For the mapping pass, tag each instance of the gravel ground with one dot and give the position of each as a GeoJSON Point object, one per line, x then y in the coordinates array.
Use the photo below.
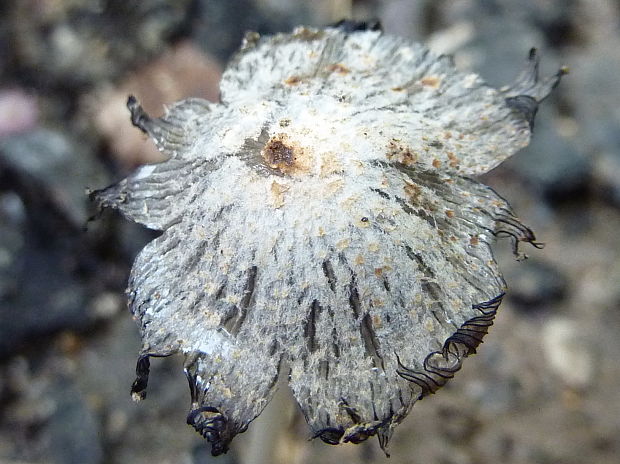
{"type": "Point", "coordinates": [543, 388]}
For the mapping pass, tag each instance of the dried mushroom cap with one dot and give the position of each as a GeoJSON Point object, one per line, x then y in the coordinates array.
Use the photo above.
{"type": "Point", "coordinates": [321, 217]}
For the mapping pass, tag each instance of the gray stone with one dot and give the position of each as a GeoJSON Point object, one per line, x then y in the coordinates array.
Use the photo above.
{"type": "Point", "coordinates": [201, 454]}
{"type": "Point", "coordinates": [48, 164]}
{"type": "Point", "coordinates": [46, 254]}
{"type": "Point", "coordinates": [492, 51]}
{"type": "Point", "coordinates": [219, 27]}
{"type": "Point", "coordinates": [405, 18]}
{"type": "Point", "coordinates": [81, 42]}
{"type": "Point", "coordinates": [594, 94]}
{"type": "Point", "coordinates": [47, 298]}
{"type": "Point", "coordinates": [552, 164]}
{"type": "Point", "coordinates": [73, 430]}
{"type": "Point", "coordinates": [535, 283]}
{"type": "Point", "coordinates": [11, 242]}
{"type": "Point", "coordinates": [607, 176]}
{"type": "Point", "coordinates": [567, 352]}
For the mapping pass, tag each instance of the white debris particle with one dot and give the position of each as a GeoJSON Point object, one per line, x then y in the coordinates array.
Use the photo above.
{"type": "Point", "coordinates": [566, 352]}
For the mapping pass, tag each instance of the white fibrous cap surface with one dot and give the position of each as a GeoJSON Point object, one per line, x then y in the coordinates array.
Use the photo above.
{"type": "Point", "coordinates": [324, 217]}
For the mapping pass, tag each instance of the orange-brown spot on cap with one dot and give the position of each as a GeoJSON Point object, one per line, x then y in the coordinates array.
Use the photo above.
{"type": "Point", "coordinates": [333, 187]}
{"type": "Point", "coordinates": [307, 34]}
{"type": "Point", "coordinates": [330, 164]}
{"type": "Point", "coordinates": [277, 191]}
{"type": "Point", "coordinates": [413, 192]}
{"type": "Point", "coordinates": [380, 270]}
{"type": "Point", "coordinates": [436, 163]}
{"type": "Point", "coordinates": [343, 244]}
{"type": "Point", "coordinates": [401, 153]}
{"type": "Point", "coordinates": [338, 68]}
{"type": "Point", "coordinates": [292, 80]}
{"type": "Point", "coordinates": [431, 81]}
{"type": "Point", "coordinates": [449, 213]}
{"type": "Point", "coordinates": [453, 160]}
{"type": "Point", "coordinates": [474, 240]}
{"type": "Point", "coordinates": [398, 89]}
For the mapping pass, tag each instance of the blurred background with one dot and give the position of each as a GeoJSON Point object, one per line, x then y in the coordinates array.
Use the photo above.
{"type": "Point", "coordinates": [544, 386]}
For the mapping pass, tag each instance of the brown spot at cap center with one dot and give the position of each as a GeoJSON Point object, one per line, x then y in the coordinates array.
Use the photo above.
{"type": "Point", "coordinates": [281, 154]}
{"type": "Point", "coordinates": [277, 154]}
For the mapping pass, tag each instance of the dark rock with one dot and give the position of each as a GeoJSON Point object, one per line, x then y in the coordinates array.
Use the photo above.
{"type": "Point", "coordinates": [555, 18]}
{"type": "Point", "coordinates": [607, 176]}
{"type": "Point", "coordinates": [201, 454]}
{"type": "Point", "coordinates": [219, 27]}
{"type": "Point", "coordinates": [11, 219]}
{"type": "Point", "coordinates": [591, 93]}
{"type": "Point", "coordinates": [492, 52]}
{"type": "Point", "coordinates": [18, 111]}
{"type": "Point", "coordinates": [461, 424]}
{"type": "Point", "coordinates": [46, 298]}
{"type": "Point", "coordinates": [37, 293]}
{"type": "Point", "coordinates": [78, 43]}
{"type": "Point", "coordinates": [405, 18]}
{"type": "Point", "coordinates": [504, 30]}
{"type": "Point", "coordinates": [49, 168]}
{"type": "Point", "coordinates": [46, 417]}
{"type": "Point", "coordinates": [5, 42]}
{"type": "Point", "coordinates": [552, 164]}
{"type": "Point", "coordinates": [536, 283]}
{"type": "Point", "coordinates": [72, 431]}
{"type": "Point", "coordinates": [48, 256]}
